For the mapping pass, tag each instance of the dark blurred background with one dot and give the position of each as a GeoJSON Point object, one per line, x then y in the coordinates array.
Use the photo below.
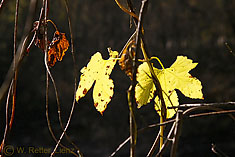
{"type": "Point", "coordinates": [194, 28]}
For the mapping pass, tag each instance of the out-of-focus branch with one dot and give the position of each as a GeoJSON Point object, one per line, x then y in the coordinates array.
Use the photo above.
{"type": "Point", "coordinates": [20, 51]}
{"type": "Point", "coordinates": [217, 151]}
{"type": "Point", "coordinates": [2, 4]}
{"type": "Point", "coordinates": [18, 54]}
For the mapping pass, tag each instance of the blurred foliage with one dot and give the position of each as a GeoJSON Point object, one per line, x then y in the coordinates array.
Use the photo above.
{"type": "Point", "coordinates": [195, 28]}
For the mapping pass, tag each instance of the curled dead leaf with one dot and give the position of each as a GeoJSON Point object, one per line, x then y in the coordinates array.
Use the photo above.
{"type": "Point", "coordinates": [57, 48]}
{"type": "Point", "coordinates": [126, 60]}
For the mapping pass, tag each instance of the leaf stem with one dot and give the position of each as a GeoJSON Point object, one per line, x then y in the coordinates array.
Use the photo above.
{"type": "Point", "coordinates": [161, 132]}
{"type": "Point", "coordinates": [54, 25]}
{"type": "Point", "coordinates": [159, 61]}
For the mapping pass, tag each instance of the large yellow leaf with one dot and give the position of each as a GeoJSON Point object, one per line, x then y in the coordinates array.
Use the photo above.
{"type": "Point", "coordinates": [98, 71]}
{"type": "Point", "coordinates": [175, 77]}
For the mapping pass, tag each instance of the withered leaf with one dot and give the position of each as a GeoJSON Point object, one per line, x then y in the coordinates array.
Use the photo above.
{"type": "Point", "coordinates": [126, 60]}
{"type": "Point", "coordinates": [57, 48]}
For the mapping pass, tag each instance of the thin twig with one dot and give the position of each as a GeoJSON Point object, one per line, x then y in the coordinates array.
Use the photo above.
{"type": "Point", "coordinates": [58, 103]}
{"type": "Point", "coordinates": [59, 110]}
{"type": "Point", "coordinates": [2, 4]}
{"type": "Point", "coordinates": [127, 43]}
{"type": "Point", "coordinates": [212, 113]}
{"type": "Point", "coordinates": [133, 127]}
{"type": "Point", "coordinates": [7, 121]}
{"type": "Point", "coordinates": [45, 6]}
{"type": "Point", "coordinates": [177, 133]}
{"type": "Point", "coordinates": [159, 91]}
{"type": "Point", "coordinates": [47, 108]}
{"type": "Point", "coordinates": [72, 45]}
{"type": "Point", "coordinates": [120, 146]}
{"type": "Point", "coordinates": [154, 146]}
{"type": "Point", "coordinates": [143, 46]}
{"type": "Point", "coordinates": [166, 142]}
{"type": "Point", "coordinates": [217, 104]}
{"type": "Point", "coordinates": [229, 48]}
{"type": "Point", "coordinates": [45, 11]}
{"type": "Point", "coordinates": [66, 127]}
{"type": "Point", "coordinates": [20, 52]}
{"type": "Point", "coordinates": [193, 108]}
{"type": "Point", "coordinates": [8, 82]}
{"type": "Point", "coordinates": [126, 11]}
{"type": "Point", "coordinates": [140, 131]}
{"type": "Point", "coordinates": [217, 151]}
{"type": "Point", "coordinates": [74, 66]}
{"type": "Point", "coordinates": [131, 93]}
{"type": "Point", "coordinates": [10, 73]}
{"type": "Point", "coordinates": [16, 72]}
{"type": "Point", "coordinates": [12, 87]}
{"type": "Point", "coordinates": [200, 108]}
{"type": "Point", "coordinates": [48, 73]}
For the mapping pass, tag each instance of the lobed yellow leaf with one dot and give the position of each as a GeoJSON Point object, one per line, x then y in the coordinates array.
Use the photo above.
{"type": "Point", "coordinates": [175, 77]}
{"type": "Point", "coordinates": [98, 71]}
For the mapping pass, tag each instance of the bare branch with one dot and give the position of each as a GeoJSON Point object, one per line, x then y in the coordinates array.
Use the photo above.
{"type": "Point", "coordinates": [7, 121]}
{"type": "Point", "coordinates": [154, 146]}
{"type": "Point", "coordinates": [213, 113]}
{"type": "Point", "coordinates": [218, 104]}
{"type": "Point", "coordinates": [2, 4]}
{"type": "Point", "coordinates": [177, 133]}
{"type": "Point", "coordinates": [166, 142]}
{"type": "Point", "coordinates": [120, 146]}
{"type": "Point", "coordinates": [10, 82]}
{"type": "Point", "coordinates": [20, 51]}
{"type": "Point", "coordinates": [217, 151]}
{"type": "Point", "coordinates": [131, 92]}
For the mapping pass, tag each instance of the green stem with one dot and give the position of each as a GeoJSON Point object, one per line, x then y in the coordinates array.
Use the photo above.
{"type": "Point", "coordinates": [161, 132]}
{"type": "Point", "coordinates": [159, 61]}
{"type": "Point", "coordinates": [133, 126]}
{"type": "Point", "coordinates": [159, 92]}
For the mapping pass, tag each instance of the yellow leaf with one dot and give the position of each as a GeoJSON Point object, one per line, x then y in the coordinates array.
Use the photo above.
{"type": "Point", "coordinates": [175, 77]}
{"type": "Point", "coordinates": [170, 99]}
{"type": "Point", "coordinates": [144, 90]}
{"type": "Point", "coordinates": [178, 77]}
{"type": "Point", "coordinates": [98, 71]}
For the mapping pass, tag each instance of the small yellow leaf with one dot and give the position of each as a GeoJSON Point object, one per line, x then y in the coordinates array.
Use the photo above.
{"type": "Point", "coordinates": [98, 71]}
{"type": "Point", "coordinates": [175, 77]}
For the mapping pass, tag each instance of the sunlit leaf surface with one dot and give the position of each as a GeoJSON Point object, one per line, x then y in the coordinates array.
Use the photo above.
{"type": "Point", "coordinates": [175, 77]}
{"type": "Point", "coordinates": [98, 71]}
